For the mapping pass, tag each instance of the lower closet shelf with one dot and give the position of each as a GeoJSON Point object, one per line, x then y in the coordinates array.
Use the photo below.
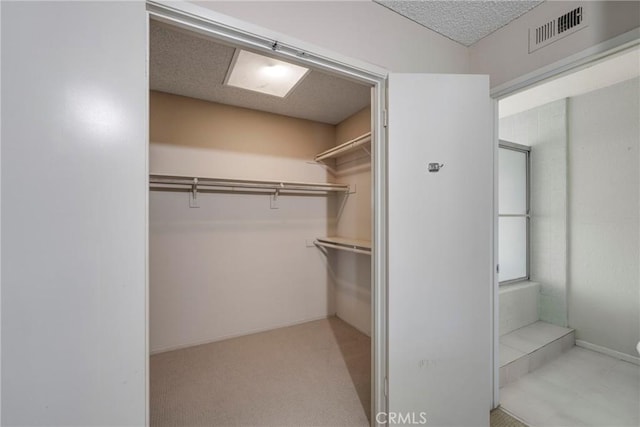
{"type": "Point", "coordinates": [345, 244]}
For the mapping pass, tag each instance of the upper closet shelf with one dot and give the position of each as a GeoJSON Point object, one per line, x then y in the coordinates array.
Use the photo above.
{"type": "Point", "coordinates": [345, 244]}
{"type": "Point", "coordinates": [194, 183]}
{"type": "Point", "coordinates": [344, 148]}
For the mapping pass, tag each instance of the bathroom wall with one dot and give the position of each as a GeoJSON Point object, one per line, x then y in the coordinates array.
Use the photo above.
{"type": "Point", "coordinates": [604, 278]}
{"type": "Point", "coordinates": [544, 129]}
{"type": "Point", "coordinates": [585, 192]}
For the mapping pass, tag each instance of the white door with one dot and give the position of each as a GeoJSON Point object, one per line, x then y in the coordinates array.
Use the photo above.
{"type": "Point", "coordinates": [440, 249]}
{"type": "Point", "coordinates": [74, 191]}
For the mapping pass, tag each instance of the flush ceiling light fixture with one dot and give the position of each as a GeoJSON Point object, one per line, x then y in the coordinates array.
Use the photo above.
{"type": "Point", "coordinates": [263, 74]}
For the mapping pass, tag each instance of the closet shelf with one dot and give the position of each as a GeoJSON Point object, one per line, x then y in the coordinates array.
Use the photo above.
{"type": "Point", "coordinates": [345, 244]}
{"type": "Point", "coordinates": [193, 183]}
{"type": "Point", "coordinates": [344, 148]}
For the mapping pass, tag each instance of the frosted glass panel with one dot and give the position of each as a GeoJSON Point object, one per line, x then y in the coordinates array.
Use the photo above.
{"type": "Point", "coordinates": [512, 181]}
{"type": "Point", "coordinates": [513, 247]}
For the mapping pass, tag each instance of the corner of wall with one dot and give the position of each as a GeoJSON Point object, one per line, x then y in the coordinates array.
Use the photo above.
{"type": "Point", "coordinates": [504, 54]}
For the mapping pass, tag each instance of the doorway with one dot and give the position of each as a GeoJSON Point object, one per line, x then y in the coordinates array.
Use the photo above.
{"type": "Point", "coordinates": [557, 351]}
{"type": "Point", "coordinates": [203, 31]}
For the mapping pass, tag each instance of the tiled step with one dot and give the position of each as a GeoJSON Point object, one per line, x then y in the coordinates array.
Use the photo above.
{"type": "Point", "coordinates": [526, 349]}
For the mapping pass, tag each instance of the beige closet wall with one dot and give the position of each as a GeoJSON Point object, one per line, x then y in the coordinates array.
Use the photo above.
{"type": "Point", "coordinates": [354, 126]}
{"type": "Point", "coordinates": [194, 137]}
{"type": "Point", "coordinates": [355, 169]}
{"type": "Point", "coordinates": [353, 271]}
{"type": "Point", "coordinates": [234, 265]}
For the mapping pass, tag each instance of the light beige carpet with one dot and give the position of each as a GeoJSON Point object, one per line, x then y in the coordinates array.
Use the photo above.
{"type": "Point", "coordinates": [313, 374]}
{"type": "Point", "coordinates": [500, 418]}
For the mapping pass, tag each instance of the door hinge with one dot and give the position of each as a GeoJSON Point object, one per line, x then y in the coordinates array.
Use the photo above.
{"type": "Point", "coordinates": [498, 268]}
{"type": "Point", "coordinates": [385, 118]}
{"type": "Point", "coordinates": [386, 387]}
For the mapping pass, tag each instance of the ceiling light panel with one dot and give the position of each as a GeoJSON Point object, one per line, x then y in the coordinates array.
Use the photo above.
{"type": "Point", "coordinates": [263, 74]}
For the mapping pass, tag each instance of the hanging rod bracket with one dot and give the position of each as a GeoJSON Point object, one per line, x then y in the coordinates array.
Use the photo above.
{"type": "Point", "coordinates": [273, 202]}
{"type": "Point", "coordinates": [193, 195]}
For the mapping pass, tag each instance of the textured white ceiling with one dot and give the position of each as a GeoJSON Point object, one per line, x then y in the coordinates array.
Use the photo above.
{"type": "Point", "coordinates": [463, 21]}
{"type": "Point", "coordinates": [185, 64]}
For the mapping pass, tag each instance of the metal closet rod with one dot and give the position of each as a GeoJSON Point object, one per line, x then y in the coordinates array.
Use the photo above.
{"type": "Point", "coordinates": [191, 182]}
{"type": "Point", "coordinates": [344, 247]}
{"type": "Point", "coordinates": [356, 142]}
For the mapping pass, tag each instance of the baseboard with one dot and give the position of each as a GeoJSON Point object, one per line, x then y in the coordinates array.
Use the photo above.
{"type": "Point", "coordinates": [604, 350]}
{"type": "Point", "coordinates": [241, 334]}
{"type": "Point", "coordinates": [353, 325]}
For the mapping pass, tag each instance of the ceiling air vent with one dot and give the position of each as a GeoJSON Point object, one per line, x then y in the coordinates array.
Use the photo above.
{"type": "Point", "coordinates": [556, 29]}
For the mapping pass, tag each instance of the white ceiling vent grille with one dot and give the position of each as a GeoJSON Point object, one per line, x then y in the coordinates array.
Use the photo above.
{"type": "Point", "coordinates": [557, 28]}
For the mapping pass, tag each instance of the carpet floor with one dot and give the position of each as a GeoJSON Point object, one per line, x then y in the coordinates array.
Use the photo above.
{"type": "Point", "coordinates": [313, 374]}
{"type": "Point", "coordinates": [500, 418]}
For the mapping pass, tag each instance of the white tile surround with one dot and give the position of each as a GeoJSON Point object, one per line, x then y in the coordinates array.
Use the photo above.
{"type": "Point", "coordinates": [578, 388]}
{"type": "Point", "coordinates": [518, 306]}
{"type": "Point", "coordinates": [528, 348]}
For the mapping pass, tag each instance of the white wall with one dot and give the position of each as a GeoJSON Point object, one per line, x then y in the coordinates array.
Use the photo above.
{"type": "Point", "coordinates": [604, 286]}
{"type": "Point", "coordinates": [504, 54]}
{"type": "Point", "coordinates": [544, 129]}
{"type": "Point", "coordinates": [234, 265]}
{"type": "Point", "coordinates": [358, 29]}
{"type": "Point", "coordinates": [74, 192]}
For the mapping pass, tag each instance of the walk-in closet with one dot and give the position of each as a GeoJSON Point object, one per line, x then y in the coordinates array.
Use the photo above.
{"type": "Point", "coordinates": [260, 226]}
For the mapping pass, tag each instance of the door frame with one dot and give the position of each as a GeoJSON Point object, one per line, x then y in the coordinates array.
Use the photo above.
{"type": "Point", "coordinates": [568, 65]}
{"type": "Point", "coordinates": [239, 33]}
